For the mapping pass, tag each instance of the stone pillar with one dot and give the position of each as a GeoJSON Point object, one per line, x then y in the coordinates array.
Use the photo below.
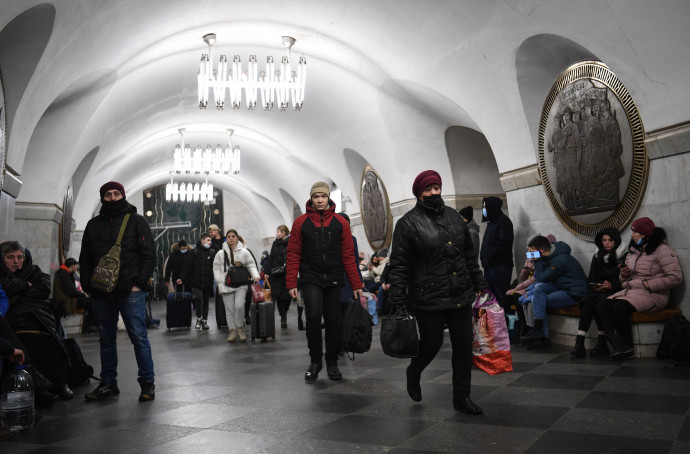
{"type": "Point", "coordinates": [8, 196]}
{"type": "Point", "coordinates": [36, 227]}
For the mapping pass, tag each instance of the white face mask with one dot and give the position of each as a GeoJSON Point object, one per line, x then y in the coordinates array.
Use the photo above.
{"type": "Point", "coordinates": [207, 245]}
{"type": "Point", "coordinates": [484, 212]}
{"type": "Point", "coordinates": [183, 251]}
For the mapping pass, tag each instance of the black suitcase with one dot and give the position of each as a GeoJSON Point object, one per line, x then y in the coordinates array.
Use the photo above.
{"type": "Point", "coordinates": [179, 310]}
{"type": "Point", "coordinates": [221, 318]}
{"type": "Point", "coordinates": [263, 320]}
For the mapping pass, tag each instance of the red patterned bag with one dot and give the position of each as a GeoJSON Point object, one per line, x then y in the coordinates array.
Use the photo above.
{"type": "Point", "coordinates": [491, 341]}
{"type": "Point", "coordinates": [257, 292]}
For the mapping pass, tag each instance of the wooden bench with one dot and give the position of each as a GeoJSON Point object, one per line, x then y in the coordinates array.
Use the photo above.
{"type": "Point", "coordinates": [646, 328]}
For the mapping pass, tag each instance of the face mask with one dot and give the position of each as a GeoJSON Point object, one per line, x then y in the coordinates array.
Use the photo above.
{"type": "Point", "coordinates": [207, 245]}
{"type": "Point", "coordinates": [434, 201]}
{"type": "Point", "coordinates": [484, 212]}
{"type": "Point", "coordinates": [183, 251]}
{"type": "Point", "coordinates": [640, 241]}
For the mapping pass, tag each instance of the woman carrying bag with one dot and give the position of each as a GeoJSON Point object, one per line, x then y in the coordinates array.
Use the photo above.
{"type": "Point", "coordinates": [275, 269]}
{"type": "Point", "coordinates": [234, 254]}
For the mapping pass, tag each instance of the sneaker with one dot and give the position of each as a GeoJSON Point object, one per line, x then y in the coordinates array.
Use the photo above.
{"type": "Point", "coordinates": [198, 324]}
{"type": "Point", "coordinates": [232, 336]}
{"type": "Point", "coordinates": [312, 372]}
{"type": "Point", "coordinates": [204, 325]}
{"type": "Point", "coordinates": [148, 391]}
{"type": "Point", "coordinates": [242, 334]}
{"type": "Point", "coordinates": [102, 391]}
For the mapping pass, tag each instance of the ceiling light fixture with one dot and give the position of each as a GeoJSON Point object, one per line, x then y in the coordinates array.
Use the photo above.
{"type": "Point", "coordinates": [276, 85]}
{"type": "Point", "coordinates": [207, 160]}
{"type": "Point", "coordinates": [189, 192]}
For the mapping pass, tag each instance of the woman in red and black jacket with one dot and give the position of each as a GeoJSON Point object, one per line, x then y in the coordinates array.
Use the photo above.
{"type": "Point", "coordinates": [320, 249]}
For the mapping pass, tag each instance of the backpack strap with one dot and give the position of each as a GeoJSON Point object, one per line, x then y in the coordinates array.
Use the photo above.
{"type": "Point", "coordinates": [122, 230]}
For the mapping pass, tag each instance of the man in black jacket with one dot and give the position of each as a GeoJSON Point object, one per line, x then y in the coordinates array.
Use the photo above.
{"type": "Point", "coordinates": [497, 249]}
{"type": "Point", "coordinates": [178, 264]}
{"type": "Point", "coordinates": [70, 299]}
{"type": "Point", "coordinates": [434, 272]}
{"type": "Point", "coordinates": [199, 275]}
{"type": "Point", "coordinates": [137, 261]}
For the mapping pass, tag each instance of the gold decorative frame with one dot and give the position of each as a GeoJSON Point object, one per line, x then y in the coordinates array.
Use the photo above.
{"type": "Point", "coordinates": [378, 235]}
{"type": "Point", "coordinates": [633, 155]}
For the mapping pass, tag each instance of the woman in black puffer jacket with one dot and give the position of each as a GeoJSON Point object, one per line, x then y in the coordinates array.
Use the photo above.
{"type": "Point", "coordinates": [434, 272]}
{"type": "Point", "coordinates": [603, 282]}
{"type": "Point", "coordinates": [274, 270]}
{"type": "Point", "coordinates": [32, 315]}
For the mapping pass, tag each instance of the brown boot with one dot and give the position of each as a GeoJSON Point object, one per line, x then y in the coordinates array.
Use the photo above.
{"type": "Point", "coordinates": [232, 337]}
{"type": "Point", "coordinates": [242, 333]}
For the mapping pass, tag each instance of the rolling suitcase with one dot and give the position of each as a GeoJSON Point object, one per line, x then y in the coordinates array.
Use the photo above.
{"type": "Point", "coordinates": [221, 317]}
{"type": "Point", "coordinates": [263, 320]}
{"type": "Point", "coordinates": [179, 310]}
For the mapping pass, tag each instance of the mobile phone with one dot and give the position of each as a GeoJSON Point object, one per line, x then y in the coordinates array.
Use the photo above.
{"type": "Point", "coordinates": [533, 255]}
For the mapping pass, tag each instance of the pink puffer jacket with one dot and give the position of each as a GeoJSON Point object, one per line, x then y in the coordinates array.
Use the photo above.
{"type": "Point", "coordinates": [659, 267]}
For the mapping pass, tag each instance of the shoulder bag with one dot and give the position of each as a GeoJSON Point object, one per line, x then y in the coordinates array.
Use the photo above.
{"type": "Point", "coordinates": [107, 272]}
{"type": "Point", "coordinates": [236, 276]}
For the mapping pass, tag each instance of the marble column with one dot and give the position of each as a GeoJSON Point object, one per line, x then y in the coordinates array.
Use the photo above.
{"type": "Point", "coordinates": [36, 227]}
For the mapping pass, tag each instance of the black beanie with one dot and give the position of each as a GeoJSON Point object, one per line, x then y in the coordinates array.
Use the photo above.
{"type": "Point", "coordinates": [467, 213]}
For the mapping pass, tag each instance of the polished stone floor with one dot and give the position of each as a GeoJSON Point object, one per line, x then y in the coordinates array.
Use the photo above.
{"type": "Point", "coordinates": [213, 397]}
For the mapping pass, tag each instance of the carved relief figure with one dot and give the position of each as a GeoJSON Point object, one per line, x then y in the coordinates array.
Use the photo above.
{"type": "Point", "coordinates": [374, 211]}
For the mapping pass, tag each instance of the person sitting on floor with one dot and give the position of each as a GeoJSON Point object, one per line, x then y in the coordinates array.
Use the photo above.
{"type": "Point", "coordinates": [603, 282]}
{"type": "Point", "coordinates": [561, 282]}
{"type": "Point", "coordinates": [32, 315]}
{"type": "Point", "coordinates": [650, 271]}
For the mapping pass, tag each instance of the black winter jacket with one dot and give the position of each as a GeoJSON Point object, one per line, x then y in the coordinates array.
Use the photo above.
{"type": "Point", "coordinates": [604, 265]}
{"type": "Point", "coordinates": [433, 266]}
{"type": "Point", "coordinates": [178, 267]}
{"type": "Point", "coordinates": [276, 258]}
{"type": "Point", "coordinates": [199, 268]}
{"type": "Point", "coordinates": [138, 257]}
{"type": "Point", "coordinates": [497, 244]}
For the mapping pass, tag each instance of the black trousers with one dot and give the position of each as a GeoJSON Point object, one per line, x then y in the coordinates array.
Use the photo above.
{"type": "Point", "coordinates": [589, 311]}
{"type": "Point", "coordinates": [431, 325]}
{"type": "Point", "coordinates": [48, 356]}
{"type": "Point", "coordinates": [498, 279]}
{"type": "Point", "coordinates": [615, 314]}
{"type": "Point", "coordinates": [201, 297]}
{"type": "Point", "coordinates": [322, 302]}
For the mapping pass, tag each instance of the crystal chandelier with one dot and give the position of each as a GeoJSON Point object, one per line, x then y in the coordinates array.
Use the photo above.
{"type": "Point", "coordinates": [276, 85]}
{"type": "Point", "coordinates": [219, 160]}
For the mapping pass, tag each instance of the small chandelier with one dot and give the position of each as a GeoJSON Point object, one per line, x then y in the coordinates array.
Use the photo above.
{"type": "Point", "coordinates": [189, 192]}
{"type": "Point", "coordinates": [275, 85]}
{"type": "Point", "coordinates": [200, 161]}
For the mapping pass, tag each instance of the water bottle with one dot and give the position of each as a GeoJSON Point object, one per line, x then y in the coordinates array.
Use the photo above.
{"type": "Point", "coordinates": [17, 400]}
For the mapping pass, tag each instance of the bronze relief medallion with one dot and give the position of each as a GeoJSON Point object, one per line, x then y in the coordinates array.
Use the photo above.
{"type": "Point", "coordinates": [592, 156]}
{"type": "Point", "coordinates": [376, 210]}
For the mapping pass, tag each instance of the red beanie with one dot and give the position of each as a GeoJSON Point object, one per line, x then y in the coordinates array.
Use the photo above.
{"type": "Point", "coordinates": [644, 226]}
{"type": "Point", "coordinates": [425, 179]}
{"type": "Point", "coordinates": [109, 186]}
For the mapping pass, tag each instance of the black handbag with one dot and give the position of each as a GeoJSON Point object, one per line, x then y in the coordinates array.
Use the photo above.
{"type": "Point", "coordinates": [236, 276]}
{"type": "Point", "coordinates": [399, 337]}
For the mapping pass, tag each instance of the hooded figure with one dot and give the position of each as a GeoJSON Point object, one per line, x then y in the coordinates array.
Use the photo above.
{"type": "Point", "coordinates": [496, 252]}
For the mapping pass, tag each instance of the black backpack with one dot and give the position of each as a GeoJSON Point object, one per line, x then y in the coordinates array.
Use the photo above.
{"type": "Point", "coordinates": [356, 330]}
{"type": "Point", "coordinates": [79, 372]}
{"type": "Point", "coordinates": [675, 341]}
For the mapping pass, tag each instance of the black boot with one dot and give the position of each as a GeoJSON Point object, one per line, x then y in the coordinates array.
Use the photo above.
{"type": "Point", "coordinates": [535, 334]}
{"type": "Point", "coordinates": [283, 320]}
{"type": "Point", "coordinates": [414, 389]}
{"type": "Point", "coordinates": [579, 349]}
{"type": "Point", "coordinates": [601, 348]}
{"type": "Point", "coordinates": [300, 323]}
{"type": "Point", "coordinates": [40, 382]}
{"type": "Point", "coordinates": [621, 349]}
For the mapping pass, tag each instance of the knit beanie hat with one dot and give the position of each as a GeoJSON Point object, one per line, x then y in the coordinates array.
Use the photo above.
{"type": "Point", "coordinates": [467, 213]}
{"type": "Point", "coordinates": [424, 179]}
{"type": "Point", "coordinates": [109, 186]}
{"type": "Point", "coordinates": [645, 226]}
{"type": "Point", "coordinates": [320, 186]}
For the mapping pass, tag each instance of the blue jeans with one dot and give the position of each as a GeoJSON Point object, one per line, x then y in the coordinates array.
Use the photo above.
{"type": "Point", "coordinates": [133, 310]}
{"type": "Point", "coordinates": [548, 295]}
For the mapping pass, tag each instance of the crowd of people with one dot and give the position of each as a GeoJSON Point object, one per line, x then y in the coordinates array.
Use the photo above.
{"type": "Point", "coordinates": [433, 269]}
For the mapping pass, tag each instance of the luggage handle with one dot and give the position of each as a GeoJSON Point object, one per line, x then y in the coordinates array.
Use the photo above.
{"type": "Point", "coordinates": [179, 295]}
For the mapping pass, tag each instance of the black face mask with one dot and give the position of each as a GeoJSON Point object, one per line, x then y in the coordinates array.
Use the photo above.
{"type": "Point", "coordinates": [434, 201]}
{"type": "Point", "coordinates": [113, 207]}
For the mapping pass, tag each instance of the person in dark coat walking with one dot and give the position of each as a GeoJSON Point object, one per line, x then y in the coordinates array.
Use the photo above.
{"type": "Point", "coordinates": [467, 214]}
{"type": "Point", "coordinates": [276, 264]}
{"type": "Point", "coordinates": [434, 272]}
{"type": "Point", "coordinates": [320, 249]}
{"type": "Point", "coordinates": [496, 252]}
{"type": "Point", "coordinates": [603, 282]}
{"type": "Point", "coordinates": [199, 275]}
{"type": "Point", "coordinates": [178, 263]}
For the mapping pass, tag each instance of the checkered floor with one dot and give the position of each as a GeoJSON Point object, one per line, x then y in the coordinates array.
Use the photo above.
{"type": "Point", "coordinates": [251, 398]}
